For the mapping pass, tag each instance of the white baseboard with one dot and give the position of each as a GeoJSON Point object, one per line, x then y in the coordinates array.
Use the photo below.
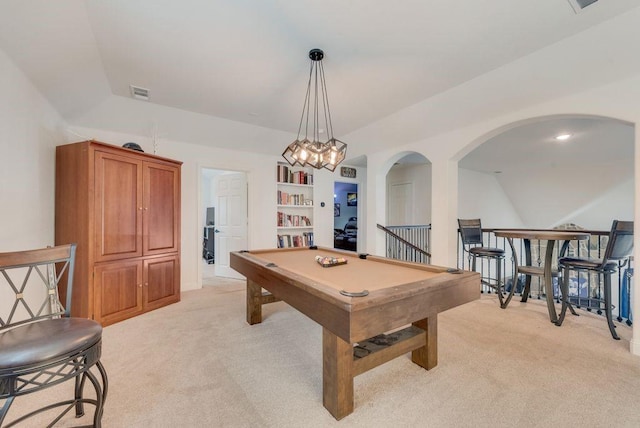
{"type": "Point", "coordinates": [635, 347]}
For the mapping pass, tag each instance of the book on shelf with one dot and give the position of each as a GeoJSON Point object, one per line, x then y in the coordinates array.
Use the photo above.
{"type": "Point", "coordinates": [289, 241]}
{"type": "Point", "coordinates": [292, 220]}
{"type": "Point", "coordinates": [285, 198]}
{"type": "Point", "coordinates": [286, 175]}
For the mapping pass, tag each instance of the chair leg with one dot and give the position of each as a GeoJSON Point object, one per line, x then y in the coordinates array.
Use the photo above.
{"type": "Point", "coordinates": [105, 383]}
{"type": "Point", "coordinates": [101, 393]}
{"type": "Point", "coordinates": [607, 305]}
{"type": "Point", "coordinates": [514, 285]}
{"type": "Point", "coordinates": [97, 416]}
{"type": "Point", "coordinates": [564, 290]}
{"type": "Point", "coordinates": [499, 284]}
{"type": "Point", "coordinates": [79, 381]}
{"type": "Point", "coordinates": [5, 409]}
{"type": "Point", "coordinates": [527, 289]}
{"type": "Point", "coordinates": [473, 268]}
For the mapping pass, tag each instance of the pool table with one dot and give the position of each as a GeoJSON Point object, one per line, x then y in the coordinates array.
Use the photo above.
{"type": "Point", "coordinates": [371, 309]}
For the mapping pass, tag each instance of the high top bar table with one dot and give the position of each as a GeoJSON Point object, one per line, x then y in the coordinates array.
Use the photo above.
{"type": "Point", "coordinates": [551, 236]}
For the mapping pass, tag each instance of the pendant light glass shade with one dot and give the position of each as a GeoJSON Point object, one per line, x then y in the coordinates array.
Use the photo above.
{"type": "Point", "coordinates": [313, 152]}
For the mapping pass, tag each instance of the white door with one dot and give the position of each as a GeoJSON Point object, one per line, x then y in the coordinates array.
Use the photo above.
{"type": "Point", "coordinates": [231, 220]}
{"type": "Point", "coordinates": [400, 208]}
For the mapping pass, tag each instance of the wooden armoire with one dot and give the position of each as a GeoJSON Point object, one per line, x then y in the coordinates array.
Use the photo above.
{"type": "Point", "coordinates": [122, 208]}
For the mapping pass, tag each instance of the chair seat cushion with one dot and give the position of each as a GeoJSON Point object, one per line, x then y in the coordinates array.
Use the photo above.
{"type": "Point", "coordinates": [591, 264]}
{"type": "Point", "coordinates": [487, 251]}
{"type": "Point", "coordinates": [46, 340]}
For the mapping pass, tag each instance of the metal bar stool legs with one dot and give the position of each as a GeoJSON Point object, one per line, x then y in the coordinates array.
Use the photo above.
{"type": "Point", "coordinates": [496, 283]}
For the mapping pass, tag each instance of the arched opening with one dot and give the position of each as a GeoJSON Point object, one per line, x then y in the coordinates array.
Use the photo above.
{"type": "Point", "coordinates": [522, 176]}
{"type": "Point", "coordinates": [408, 207]}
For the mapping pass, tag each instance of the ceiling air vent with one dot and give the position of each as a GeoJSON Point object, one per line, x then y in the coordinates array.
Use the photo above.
{"type": "Point", "coordinates": [139, 93]}
{"type": "Point", "coordinates": [578, 5]}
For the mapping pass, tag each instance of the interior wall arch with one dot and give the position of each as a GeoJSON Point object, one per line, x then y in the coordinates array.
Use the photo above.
{"type": "Point", "coordinates": [527, 178]}
{"type": "Point", "coordinates": [487, 135]}
{"type": "Point", "coordinates": [408, 190]}
{"type": "Point", "coordinates": [378, 166]}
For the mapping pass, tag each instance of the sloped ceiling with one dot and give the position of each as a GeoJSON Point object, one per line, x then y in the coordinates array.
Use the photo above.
{"type": "Point", "coordinates": [548, 180]}
{"type": "Point", "coordinates": [221, 64]}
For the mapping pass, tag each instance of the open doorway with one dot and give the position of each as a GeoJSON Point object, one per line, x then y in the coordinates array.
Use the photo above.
{"type": "Point", "coordinates": [345, 216]}
{"type": "Point", "coordinates": [223, 225]}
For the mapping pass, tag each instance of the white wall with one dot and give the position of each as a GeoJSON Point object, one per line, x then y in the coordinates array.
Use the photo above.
{"type": "Point", "coordinates": [29, 131]}
{"type": "Point", "coordinates": [481, 196]}
{"type": "Point", "coordinates": [618, 203]}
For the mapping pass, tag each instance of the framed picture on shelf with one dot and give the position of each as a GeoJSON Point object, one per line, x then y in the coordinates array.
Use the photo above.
{"type": "Point", "coordinates": [336, 209]}
{"type": "Point", "coordinates": [352, 199]}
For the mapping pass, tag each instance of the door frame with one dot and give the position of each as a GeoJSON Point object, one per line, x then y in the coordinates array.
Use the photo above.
{"type": "Point", "coordinates": [359, 208]}
{"type": "Point", "coordinates": [201, 216]}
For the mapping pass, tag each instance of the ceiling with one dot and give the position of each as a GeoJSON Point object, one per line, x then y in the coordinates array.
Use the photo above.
{"type": "Point", "coordinates": [246, 61]}
{"type": "Point", "coordinates": [533, 146]}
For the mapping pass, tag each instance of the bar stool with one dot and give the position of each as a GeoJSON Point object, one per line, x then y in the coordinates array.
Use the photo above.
{"type": "Point", "coordinates": [41, 345]}
{"type": "Point", "coordinates": [471, 234]}
{"type": "Point", "coordinates": [619, 249]}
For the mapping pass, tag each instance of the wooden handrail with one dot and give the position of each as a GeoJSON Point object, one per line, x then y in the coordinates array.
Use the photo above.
{"type": "Point", "coordinates": [404, 241]}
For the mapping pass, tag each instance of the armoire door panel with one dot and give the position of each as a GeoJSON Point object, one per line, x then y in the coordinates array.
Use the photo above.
{"type": "Point", "coordinates": [161, 208]}
{"type": "Point", "coordinates": [161, 281]}
{"type": "Point", "coordinates": [118, 290]}
{"type": "Point", "coordinates": [118, 210]}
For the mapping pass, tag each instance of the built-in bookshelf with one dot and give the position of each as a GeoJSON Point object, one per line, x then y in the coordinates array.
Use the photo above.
{"type": "Point", "coordinates": [295, 206]}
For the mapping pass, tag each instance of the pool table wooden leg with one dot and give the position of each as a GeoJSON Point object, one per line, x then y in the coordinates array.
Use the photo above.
{"type": "Point", "coordinates": [254, 303]}
{"type": "Point", "coordinates": [427, 355]}
{"type": "Point", "coordinates": [337, 375]}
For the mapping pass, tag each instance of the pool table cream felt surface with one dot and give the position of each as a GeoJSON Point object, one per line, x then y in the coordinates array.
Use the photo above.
{"type": "Point", "coordinates": [357, 275]}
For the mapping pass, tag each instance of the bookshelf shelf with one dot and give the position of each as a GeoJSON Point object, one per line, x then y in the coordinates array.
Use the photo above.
{"type": "Point", "coordinates": [295, 185]}
{"type": "Point", "coordinates": [294, 194]}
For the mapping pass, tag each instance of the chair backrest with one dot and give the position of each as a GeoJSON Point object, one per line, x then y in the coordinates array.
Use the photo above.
{"type": "Point", "coordinates": [620, 245]}
{"type": "Point", "coordinates": [470, 231]}
{"type": "Point", "coordinates": [23, 275]}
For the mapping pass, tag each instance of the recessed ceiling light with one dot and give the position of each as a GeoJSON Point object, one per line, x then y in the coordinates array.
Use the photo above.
{"type": "Point", "coordinates": [563, 137]}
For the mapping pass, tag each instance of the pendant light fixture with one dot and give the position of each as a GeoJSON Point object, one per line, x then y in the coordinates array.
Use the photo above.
{"type": "Point", "coordinates": [311, 150]}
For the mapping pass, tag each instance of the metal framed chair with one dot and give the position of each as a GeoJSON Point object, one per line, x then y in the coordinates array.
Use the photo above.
{"type": "Point", "coordinates": [40, 344]}
{"type": "Point", "coordinates": [619, 249]}
{"type": "Point", "coordinates": [472, 244]}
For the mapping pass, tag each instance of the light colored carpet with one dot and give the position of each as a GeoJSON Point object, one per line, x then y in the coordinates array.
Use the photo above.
{"type": "Point", "coordinates": [197, 363]}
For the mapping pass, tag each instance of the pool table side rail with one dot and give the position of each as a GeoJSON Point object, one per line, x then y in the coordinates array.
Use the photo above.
{"type": "Point", "coordinates": [333, 314]}
{"type": "Point", "coordinates": [360, 318]}
{"type": "Point", "coordinates": [446, 294]}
